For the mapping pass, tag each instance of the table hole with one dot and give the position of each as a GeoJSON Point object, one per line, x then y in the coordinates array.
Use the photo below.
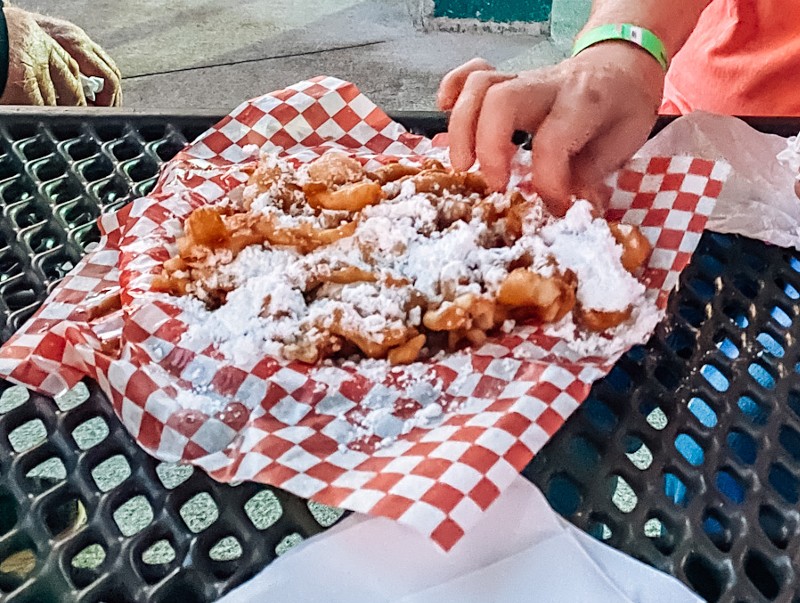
{"type": "Point", "coordinates": [619, 380]}
{"type": "Point", "coordinates": [761, 376]}
{"type": "Point", "coordinates": [790, 440]}
{"type": "Point", "coordinates": [657, 419]}
{"type": "Point", "coordinates": [227, 549]}
{"type": "Point", "coordinates": [10, 266]}
{"type": "Point", "coordinates": [8, 513]}
{"type": "Point", "coordinates": [689, 449]}
{"type": "Point", "coordinates": [183, 589]}
{"type": "Point", "coordinates": [600, 415]}
{"type": "Point", "coordinates": [111, 191]}
{"type": "Point", "coordinates": [709, 264]}
{"type": "Point", "coordinates": [564, 494]}
{"type": "Point", "coordinates": [52, 470]}
{"type": "Point", "coordinates": [263, 509]}
{"type": "Point", "coordinates": [714, 377]}
{"type": "Point", "coordinates": [73, 397]}
{"type": "Point", "coordinates": [781, 317]}
{"type": "Point", "coordinates": [141, 169]}
{"type": "Point", "coordinates": [152, 132]}
{"type": "Point", "coordinates": [638, 453]}
{"type": "Point", "coordinates": [7, 168]}
{"type": "Point", "coordinates": [660, 535]}
{"type": "Point", "coordinates": [62, 190]}
{"type": "Point", "coordinates": [199, 512]}
{"type": "Point", "coordinates": [771, 345]}
{"type": "Point", "coordinates": [756, 412]}
{"type": "Point", "coordinates": [109, 131]}
{"type": "Point", "coordinates": [747, 286]}
{"type": "Point", "coordinates": [623, 496]}
{"type": "Point", "coordinates": [730, 485]}
{"type": "Point", "coordinates": [44, 238]}
{"type": "Point", "coordinates": [16, 191]}
{"type": "Point", "coordinates": [784, 483]}
{"type": "Point", "coordinates": [55, 266]}
{"type": "Point", "coordinates": [28, 215]}
{"type": "Point", "coordinates": [36, 148]}
{"type": "Point", "coordinates": [794, 263]}
{"type": "Point", "coordinates": [49, 169]}
{"type": "Point", "coordinates": [702, 288]}
{"type": "Point", "coordinates": [82, 148]}
{"type": "Point", "coordinates": [67, 516]}
{"type": "Point", "coordinates": [584, 453]}
{"type": "Point", "coordinates": [737, 314]}
{"type": "Point", "coordinates": [78, 213]}
{"type": "Point", "coordinates": [762, 574]}
{"type": "Point", "coordinates": [16, 566]}
{"type": "Point", "coordinates": [600, 530]}
{"type": "Point", "coordinates": [774, 526]}
{"type": "Point", "coordinates": [125, 149]}
{"type": "Point", "coordinates": [14, 396]}
{"type": "Point", "coordinates": [160, 552]}
{"type": "Point", "coordinates": [692, 314]}
{"type": "Point", "coordinates": [90, 433]}
{"type": "Point", "coordinates": [167, 149]}
{"type": "Point", "coordinates": [173, 475]}
{"type": "Point", "coordinates": [675, 489]}
{"type": "Point", "coordinates": [85, 565]}
{"type": "Point", "coordinates": [111, 473]}
{"type": "Point", "coordinates": [96, 169]}
{"type": "Point", "coordinates": [668, 375]}
{"type": "Point", "coordinates": [791, 292]}
{"type": "Point", "coordinates": [727, 347]}
{"type": "Point", "coordinates": [133, 515]}
{"type": "Point", "coordinates": [324, 515]}
{"type": "Point", "coordinates": [28, 435]}
{"type": "Point", "coordinates": [717, 528]}
{"type": "Point", "coordinates": [287, 543]}
{"type": "Point", "coordinates": [91, 557]}
{"type": "Point", "coordinates": [704, 578]}
{"type": "Point", "coordinates": [702, 412]}
{"type": "Point", "coordinates": [682, 342]}
{"type": "Point", "coordinates": [743, 446]}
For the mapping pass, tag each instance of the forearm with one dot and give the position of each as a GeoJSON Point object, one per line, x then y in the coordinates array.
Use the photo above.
{"type": "Point", "coordinates": [672, 21]}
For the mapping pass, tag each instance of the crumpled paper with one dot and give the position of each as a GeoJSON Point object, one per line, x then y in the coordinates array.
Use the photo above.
{"type": "Point", "coordinates": [520, 551]}
{"type": "Point", "coordinates": [759, 200]}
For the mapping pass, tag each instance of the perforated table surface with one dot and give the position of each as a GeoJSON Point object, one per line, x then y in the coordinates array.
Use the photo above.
{"type": "Point", "coordinates": [686, 456]}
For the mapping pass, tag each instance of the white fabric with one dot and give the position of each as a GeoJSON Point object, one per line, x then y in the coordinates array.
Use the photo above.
{"type": "Point", "coordinates": [521, 551]}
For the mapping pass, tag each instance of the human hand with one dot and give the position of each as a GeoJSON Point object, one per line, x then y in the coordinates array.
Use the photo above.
{"type": "Point", "coordinates": [91, 58]}
{"type": "Point", "coordinates": [40, 72]}
{"type": "Point", "coordinates": [588, 115]}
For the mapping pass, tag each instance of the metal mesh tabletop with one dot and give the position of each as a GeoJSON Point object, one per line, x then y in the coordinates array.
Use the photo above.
{"type": "Point", "coordinates": [686, 456]}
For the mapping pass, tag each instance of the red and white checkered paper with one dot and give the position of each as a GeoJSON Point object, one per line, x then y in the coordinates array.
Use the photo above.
{"type": "Point", "coordinates": [279, 420]}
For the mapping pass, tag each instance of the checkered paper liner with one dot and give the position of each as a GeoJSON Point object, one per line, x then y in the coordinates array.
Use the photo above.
{"type": "Point", "coordinates": [279, 423]}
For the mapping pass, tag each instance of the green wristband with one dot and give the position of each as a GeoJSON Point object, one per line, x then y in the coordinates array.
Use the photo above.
{"type": "Point", "coordinates": [644, 38]}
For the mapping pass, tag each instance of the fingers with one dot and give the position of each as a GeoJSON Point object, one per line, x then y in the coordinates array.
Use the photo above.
{"type": "Point", "coordinates": [112, 91]}
{"type": "Point", "coordinates": [47, 89]}
{"type": "Point", "coordinates": [605, 154]}
{"type": "Point", "coordinates": [464, 119]}
{"type": "Point", "coordinates": [574, 121]}
{"type": "Point", "coordinates": [509, 106]}
{"type": "Point", "coordinates": [453, 82]}
{"type": "Point", "coordinates": [65, 77]}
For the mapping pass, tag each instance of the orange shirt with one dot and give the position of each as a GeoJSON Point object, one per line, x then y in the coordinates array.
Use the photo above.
{"type": "Point", "coordinates": [742, 59]}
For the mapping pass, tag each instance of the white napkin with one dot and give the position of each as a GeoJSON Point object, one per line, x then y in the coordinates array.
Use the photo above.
{"type": "Point", "coordinates": [758, 200]}
{"type": "Point", "coordinates": [92, 86]}
{"type": "Point", "coordinates": [521, 551]}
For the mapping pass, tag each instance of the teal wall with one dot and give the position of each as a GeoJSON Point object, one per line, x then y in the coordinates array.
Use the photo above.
{"type": "Point", "coordinates": [502, 11]}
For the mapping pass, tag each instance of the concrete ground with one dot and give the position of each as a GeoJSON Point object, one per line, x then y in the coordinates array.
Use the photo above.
{"type": "Point", "coordinates": [207, 54]}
